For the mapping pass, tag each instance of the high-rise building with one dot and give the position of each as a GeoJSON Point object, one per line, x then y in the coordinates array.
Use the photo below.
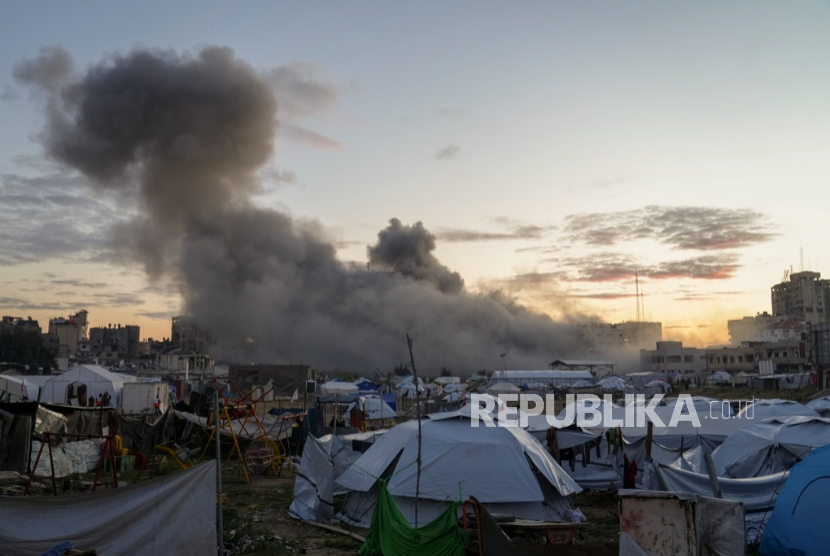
{"type": "Point", "coordinates": [188, 336]}
{"type": "Point", "coordinates": [116, 341]}
{"type": "Point", "coordinates": [640, 334]}
{"type": "Point", "coordinates": [803, 297]}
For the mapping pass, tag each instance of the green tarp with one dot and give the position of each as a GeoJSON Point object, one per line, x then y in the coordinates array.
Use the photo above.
{"type": "Point", "coordinates": [392, 535]}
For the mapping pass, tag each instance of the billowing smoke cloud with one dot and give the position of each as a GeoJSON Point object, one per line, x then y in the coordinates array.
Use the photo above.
{"type": "Point", "coordinates": [183, 136]}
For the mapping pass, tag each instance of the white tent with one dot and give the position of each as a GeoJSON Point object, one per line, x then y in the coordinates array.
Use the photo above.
{"type": "Point", "coordinates": [324, 460]}
{"type": "Point", "coordinates": [504, 468]}
{"type": "Point", "coordinates": [90, 380]}
{"type": "Point", "coordinates": [452, 397]}
{"type": "Point", "coordinates": [373, 407]}
{"type": "Point", "coordinates": [616, 384]}
{"type": "Point", "coordinates": [821, 406]}
{"type": "Point", "coordinates": [770, 446]}
{"type": "Point", "coordinates": [720, 376]}
{"type": "Point", "coordinates": [17, 388]}
{"type": "Point", "coordinates": [503, 388]}
{"type": "Point", "coordinates": [708, 407]}
{"type": "Point", "coordinates": [764, 409]}
{"type": "Point", "coordinates": [454, 387]}
{"type": "Point", "coordinates": [338, 388]}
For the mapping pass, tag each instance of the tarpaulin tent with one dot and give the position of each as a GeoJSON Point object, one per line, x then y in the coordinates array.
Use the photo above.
{"type": "Point", "coordinates": [503, 388]}
{"type": "Point", "coordinates": [373, 408]}
{"type": "Point", "coordinates": [799, 525]}
{"type": "Point", "coordinates": [770, 446]}
{"type": "Point", "coordinates": [821, 406]}
{"type": "Point", "coordinates": [336, 387]}
{"type": "Point", "coordinates": [63, 388]}
{"type": "Point", "coordinates": [504, 467]}
{"type": "Point", "coordinates": [764, 409]}
{"type": "Point", "coordinates": [16, 388]}
{"type": "Point", "coordinates": [324, 460]}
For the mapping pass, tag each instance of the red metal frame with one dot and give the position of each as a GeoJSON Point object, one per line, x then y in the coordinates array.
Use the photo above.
{"type": "Point", "coordinates": [106, 448]}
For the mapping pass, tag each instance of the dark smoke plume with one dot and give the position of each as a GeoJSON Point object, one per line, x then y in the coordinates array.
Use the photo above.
{"type": "Point", "coordinates": [183, 135]}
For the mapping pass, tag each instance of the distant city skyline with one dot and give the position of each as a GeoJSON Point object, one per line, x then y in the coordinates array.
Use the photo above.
{"type": "Point", "coordinates": [552, 150]}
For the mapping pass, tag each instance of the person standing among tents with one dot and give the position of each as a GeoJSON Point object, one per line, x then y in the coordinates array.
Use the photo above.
{"type": "Point", "coordinates": [105, 399]}
{"type": "Point", "coordinates": [157, 406]}
{"type": "Point", "coordinates": [100, 401]}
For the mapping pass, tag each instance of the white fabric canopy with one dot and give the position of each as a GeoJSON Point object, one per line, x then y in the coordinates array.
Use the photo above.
{"type": "Point", "coordinates": [97, 380]}
{"type": "Point", "coordinates": [17, 388]}
{"type": "Point", "coordinates": [503, 388]}
{"type": "Point", "coordinates": [334, 388]}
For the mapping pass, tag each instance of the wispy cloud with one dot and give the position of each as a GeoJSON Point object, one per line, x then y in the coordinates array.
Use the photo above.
{"type": "Point", "coordinates": [443, 111]}
{"type": "Point", "coordinates": [700, 228]}
{"type": "Point", "coordinates": [506, 229]}
{"type": "Point", "coordinates": [611, 267]}
{"type": "Point", "coordinates": [448, 153]}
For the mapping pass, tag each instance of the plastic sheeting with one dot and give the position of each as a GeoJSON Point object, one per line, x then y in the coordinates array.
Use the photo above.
{"type": "Point", "coordinates": [68, 458]}
{"type": "Point", "coordinates": [175, 514]}
{"type": "Point", "coordinates": [391, 534]}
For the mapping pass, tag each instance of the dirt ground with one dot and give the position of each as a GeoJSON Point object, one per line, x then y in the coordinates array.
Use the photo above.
{"type": "Point", "coordinates": [256, 521]}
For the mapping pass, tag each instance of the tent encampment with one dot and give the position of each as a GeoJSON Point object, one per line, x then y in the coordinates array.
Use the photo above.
{"type": "Point", "coordinates": [799, 522]}
{"type": "Point", "coordinates": [504, 467]}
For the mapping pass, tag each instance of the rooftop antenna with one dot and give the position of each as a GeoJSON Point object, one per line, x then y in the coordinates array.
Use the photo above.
{"type": "Point", "coordinates": [643, 303]}
{"type": "Point", "coordinates": [637, 293]}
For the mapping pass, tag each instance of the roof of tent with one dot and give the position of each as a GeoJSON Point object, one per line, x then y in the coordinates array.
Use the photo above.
{"type": "Point", "coordinates": [764, 409]}
{"type": "Point", "coordinates": [756, 448]}
{"type": "Point", "coordinates": [820, 404]}
{"type": "Point", "coordinates": [338, 387]}
{"type": "Point", "coordinates": [87, 372]}
{"type": "Point", "coordinates": [799, 523]}
{"type": "Point", "coordinates": [19, 387]}
{"type": "Point", "coordinates": [542, 375]}
{"type": "Point", "coordinates": [490, 463]}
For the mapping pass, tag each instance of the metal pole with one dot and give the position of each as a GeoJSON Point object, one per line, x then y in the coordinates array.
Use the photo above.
{"type": "Point", "coordinates": [219, 525]}
{"type": "Point", "coordinates": [418, 405]}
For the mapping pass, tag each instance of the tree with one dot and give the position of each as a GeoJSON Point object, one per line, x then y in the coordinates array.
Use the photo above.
{"type": "Point", "coordinates": [401, 369]}
{"type": "Point", "coordinates": [25, 348]}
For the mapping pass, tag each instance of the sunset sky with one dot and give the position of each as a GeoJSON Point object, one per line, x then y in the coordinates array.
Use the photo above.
{"type": "Point", "coordinates": [553, 148]}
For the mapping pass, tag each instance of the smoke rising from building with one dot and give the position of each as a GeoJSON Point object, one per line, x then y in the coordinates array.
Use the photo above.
{"type": "Point", "coordinates": [181, 136]}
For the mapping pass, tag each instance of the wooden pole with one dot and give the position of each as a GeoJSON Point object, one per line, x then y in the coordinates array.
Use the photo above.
{"type": "Point", "coordinates": [219, 525]}
{"type": "Point", "coordinates": [418, 405]}
{"type": "Point", "coordinates": [649, 438]}
{"type": "Point", "coordinates": [713, 477]}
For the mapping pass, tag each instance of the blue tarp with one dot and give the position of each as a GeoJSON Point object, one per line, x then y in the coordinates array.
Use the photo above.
{"type": "Point", "coordinates": [800, 524]}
